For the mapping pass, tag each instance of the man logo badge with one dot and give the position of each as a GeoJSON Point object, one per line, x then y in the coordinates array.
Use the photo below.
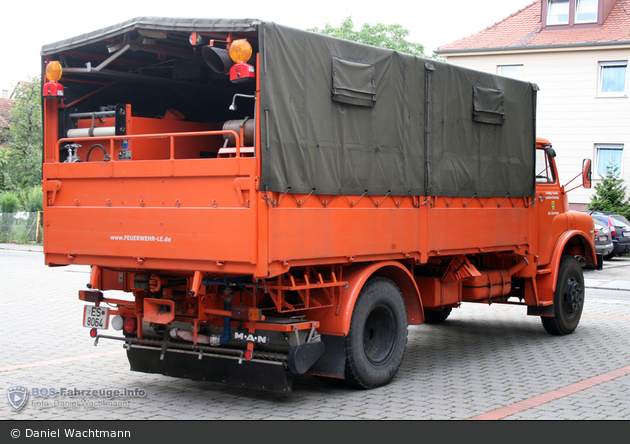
{"type": "Point", "coordinates": [17, 397]}
{"type": "Point", "coordinates": [257, 339]}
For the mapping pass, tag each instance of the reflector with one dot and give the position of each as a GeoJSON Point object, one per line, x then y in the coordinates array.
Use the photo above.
{"type": "Point", "coordinates": [130, 325]}
{"type": "Point", "coordinates": [117, 322]}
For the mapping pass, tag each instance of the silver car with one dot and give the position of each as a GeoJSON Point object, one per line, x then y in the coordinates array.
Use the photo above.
{"type": "Point", "coordinates": [603, 240]}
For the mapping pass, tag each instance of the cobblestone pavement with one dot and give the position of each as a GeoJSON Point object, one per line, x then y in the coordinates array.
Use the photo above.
{"type": "Point", "coordinates": [484, 360]}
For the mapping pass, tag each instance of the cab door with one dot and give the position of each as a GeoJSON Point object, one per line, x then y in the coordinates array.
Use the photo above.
{"type": "Point", "coordinates": [551, 202]}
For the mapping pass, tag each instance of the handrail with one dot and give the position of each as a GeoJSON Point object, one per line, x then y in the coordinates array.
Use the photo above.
{"type": "Point", "coordinates": [171, 137]}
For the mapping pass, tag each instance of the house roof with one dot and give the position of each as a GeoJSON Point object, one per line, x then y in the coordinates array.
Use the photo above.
{"type": "Point", "coordinates": [523, 30]}
{"type": "Point", "coordinates": [5, 106]}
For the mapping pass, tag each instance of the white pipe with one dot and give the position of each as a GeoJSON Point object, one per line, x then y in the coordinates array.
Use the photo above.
{"type": "Point", "coordinates": [101, 131]}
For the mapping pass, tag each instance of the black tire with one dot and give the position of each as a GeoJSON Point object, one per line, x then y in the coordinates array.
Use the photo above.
{"type": "Point", "coordinates": [568, 299]}
{"type": "Point", "coordinates": [609, 256]}
{"type": "Point", "coordinates": [436, 317]}
{"type": "Point", "coordinates": [376, 342]}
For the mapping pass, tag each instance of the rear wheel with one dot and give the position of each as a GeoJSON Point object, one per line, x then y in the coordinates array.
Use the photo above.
{"type": "Point", "coordinates": [568, 299]}
{"type": "Point", "coordinates": [376, 342]}
{"type": "Point", "coordinates": [436, 317]}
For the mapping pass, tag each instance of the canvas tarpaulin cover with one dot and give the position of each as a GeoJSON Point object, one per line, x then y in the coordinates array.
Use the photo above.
{"type": "Point", "coordinates": [339, 117]}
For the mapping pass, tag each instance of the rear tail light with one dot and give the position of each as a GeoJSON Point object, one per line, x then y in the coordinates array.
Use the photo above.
{"type": "Point", "coordinates": [90, 295]}
{"type": "Point", "coordinates": [130, 325]}
{"type": "Point", "coordinates": [612, 227]}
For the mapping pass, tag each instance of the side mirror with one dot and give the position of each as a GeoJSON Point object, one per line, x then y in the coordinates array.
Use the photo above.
{"type": "Point", "coordinates": [586, 173]}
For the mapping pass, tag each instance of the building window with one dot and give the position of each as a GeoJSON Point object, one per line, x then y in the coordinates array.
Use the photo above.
{"type": "Point", "coordinates": [574, 14]}
{"type": "Point", "coordinates": [512, 71]}
{"type": "Point", "coordinates": [612, 78]}
{"type": "Point", "coordinates": [558, 12]}
{"type": "Point", "coordinates": [586, 11]}
{"type": "Point", "coordinates": [608, 156]}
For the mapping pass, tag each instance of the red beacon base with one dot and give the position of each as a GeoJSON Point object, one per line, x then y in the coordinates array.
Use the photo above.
{"type": "Point", "coordinates": [241, 72]}
{"type": "Point", "coordinates": [52, 90]}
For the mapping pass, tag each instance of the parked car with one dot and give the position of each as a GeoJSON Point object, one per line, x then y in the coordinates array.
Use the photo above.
{"type": "Point", "coordinates": [603, 239]}
{"type": "Point", "coordinates": [619, 229]}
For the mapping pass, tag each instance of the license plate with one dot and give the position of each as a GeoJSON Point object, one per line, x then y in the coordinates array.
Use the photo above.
{"type": "Point", "coordinates": [95, 317]}
{"type": "Point", "coordinates": [626, 234]}
{"type": "Point", "coordinates": [603, 238]}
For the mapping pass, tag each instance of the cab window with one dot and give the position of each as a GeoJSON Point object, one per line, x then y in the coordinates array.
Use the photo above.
{"type": "Point", "coordinates": [544, 167]}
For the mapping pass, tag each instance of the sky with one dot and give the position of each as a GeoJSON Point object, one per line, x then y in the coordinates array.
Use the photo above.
{"type": "Point", "coordinates": [26, 27]}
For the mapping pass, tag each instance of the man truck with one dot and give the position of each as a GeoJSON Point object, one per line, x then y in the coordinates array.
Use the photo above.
{"type": "Point", "coordinates": [258, 202]}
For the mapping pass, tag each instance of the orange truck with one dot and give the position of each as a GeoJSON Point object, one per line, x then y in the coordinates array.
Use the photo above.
{"type": "Point", "coordinates": [258, 202]}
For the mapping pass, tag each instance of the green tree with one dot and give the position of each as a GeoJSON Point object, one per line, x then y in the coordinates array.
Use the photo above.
{"type": "Point", "coordinates": [21, 159]}
{"type": "Point", "coordinates": [384, 36]}
{"type": "Point", "coordinates": [610, 194]}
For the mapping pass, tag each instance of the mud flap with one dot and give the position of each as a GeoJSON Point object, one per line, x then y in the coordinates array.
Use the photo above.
{"type": "Point", "coordinates": [302, 357]}
{"type": "Point", "coordinates": [260, 375]}
{"type": "Point", "coordinates": [332, 363]}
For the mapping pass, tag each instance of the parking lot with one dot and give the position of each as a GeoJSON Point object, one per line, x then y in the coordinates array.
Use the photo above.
{"type": "Point", "coordinates": [484, 362]}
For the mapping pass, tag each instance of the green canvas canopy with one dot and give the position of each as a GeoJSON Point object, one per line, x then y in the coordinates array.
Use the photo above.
{"type": "Point", "coordinates": [345, 118]}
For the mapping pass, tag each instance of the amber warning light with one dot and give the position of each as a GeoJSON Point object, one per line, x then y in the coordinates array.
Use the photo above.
{"type": "Point", "coordinates": [240, 53]}
{"type": "Point", "coordinates": [52, 89]}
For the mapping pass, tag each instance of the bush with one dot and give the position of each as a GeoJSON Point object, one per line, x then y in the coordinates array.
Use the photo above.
{"type": "Point", "coordinates": [33, 199]}
{"type": "Point", "coordinates": [9, 203]}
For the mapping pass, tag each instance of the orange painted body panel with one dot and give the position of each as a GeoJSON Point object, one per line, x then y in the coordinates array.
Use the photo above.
{"type": "Point", "coordinates": [155, 210]}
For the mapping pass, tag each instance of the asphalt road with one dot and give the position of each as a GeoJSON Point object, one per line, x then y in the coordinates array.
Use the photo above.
{"type": "Point", "coordinates": [484, 362]}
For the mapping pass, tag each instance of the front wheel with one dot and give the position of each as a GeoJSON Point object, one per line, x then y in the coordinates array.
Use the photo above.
{"type": "Point", "coordinates": [376, 341]}
{"type": "Point", "coordinates": [568, 299]}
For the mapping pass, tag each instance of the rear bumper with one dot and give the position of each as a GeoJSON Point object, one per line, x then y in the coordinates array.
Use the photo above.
{"type": "Point", "coordinates": [622, 247]}
{"type": "Point", "coordinates": [269, 371]}
{"type": "Point", "coordinates": [604, 249]}
{"type": "Point", "coordinates": [255, 374]}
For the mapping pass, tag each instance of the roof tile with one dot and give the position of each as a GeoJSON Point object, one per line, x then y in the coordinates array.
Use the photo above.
{"type": "Point", "coordinates": [523, 29]}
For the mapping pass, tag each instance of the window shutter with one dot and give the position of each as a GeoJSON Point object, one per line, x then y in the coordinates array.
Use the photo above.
{"type": "Point", "coordinates": [353, 82]}
{"type": "Point", "coordinates": [488, 105]}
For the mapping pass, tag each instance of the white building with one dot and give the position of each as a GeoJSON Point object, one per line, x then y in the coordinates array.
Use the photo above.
{"type": "Point", "coordinates": [577, 52]}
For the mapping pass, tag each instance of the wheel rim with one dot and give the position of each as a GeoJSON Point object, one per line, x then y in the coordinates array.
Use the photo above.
{"type": "Point", "coordinates": [379, 335]}
{"type": "Point", "coordinates": [572, 297]}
